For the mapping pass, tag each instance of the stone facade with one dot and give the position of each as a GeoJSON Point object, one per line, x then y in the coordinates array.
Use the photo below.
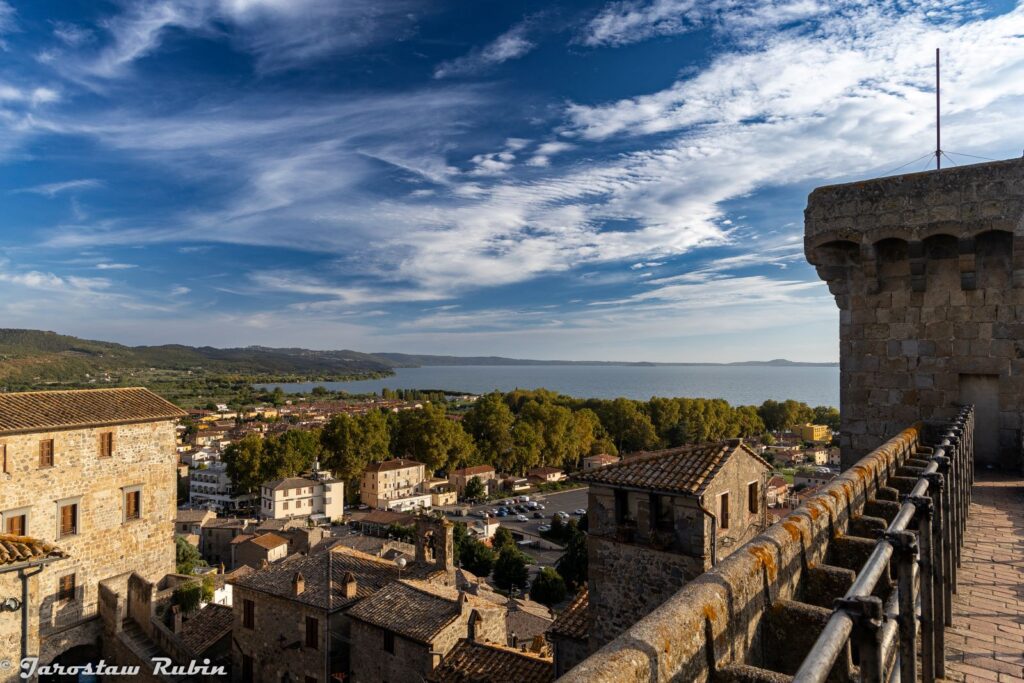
{"type": "Point", "coordinates": [392, 480]}
{"type": "Point", "coordinates": [105, 540]}
{"type": "Point", "coordinates": [928, 272]}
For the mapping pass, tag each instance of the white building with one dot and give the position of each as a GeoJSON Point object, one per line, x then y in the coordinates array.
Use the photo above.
{"type": "Point", "coordinates": [210, 487]}
{"type": "Point", "coordinates": [319, 496]}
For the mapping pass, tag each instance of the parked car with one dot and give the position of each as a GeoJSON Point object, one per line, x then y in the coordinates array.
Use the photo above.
{"type": "Point", "coordinates": [524, 499]}
{"type": "Point", "coordinates": [522, 518]}
{"type": "Point", "coordinates": [579, 511]}
{"type": "Point", "coordinates": [540, 506]}
{"type": "Point", "coordinates": [538, 515]}
{"type": "Point", "coordinates": [561, 513]}
{"type": "Point", "coordinates": [502, 513]}
{"type": "Point", "coordinates": [480, 513]}
{"type": "Point", "coordinates": [544, 528]}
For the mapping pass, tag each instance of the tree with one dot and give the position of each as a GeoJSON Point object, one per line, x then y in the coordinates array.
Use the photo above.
{"type": "Point", "coordinates": [474, 489]}
{"type": "Point", "coordinates": [245, 463]}
{"type": "Point", "coordinates": [490, 422]}
{"type": "Point", "coordinates": [502, 538]}
{"type": "Point", "coordinates": [429, 436]}
{"type": "Point", "coordinates": [351, 443]}
{"type": "Point", "coordinates": [548, 588]}
{"type": "Point", "coordinates": [319, 391]}
{"type": "Point", "coordinates": [477, 557]}
{"type": "Point", "coordinates": [628, 426]}
{"type": "Point", "coordinates": [290, 453]}
{"type": "Point", "coordinates": [186, 556]}
{"type": "Point", "coordinates": [826, 415]}
{"type": "Point", "coordinates": [526, 449]}
{"type": "Point", "coordinates": [510, 568]}
{"type": "Point", "coordinates": [573, 564]}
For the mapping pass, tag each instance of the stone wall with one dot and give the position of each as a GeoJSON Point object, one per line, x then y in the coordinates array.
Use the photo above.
{"type": "Point", "coordinates": [106, 544]}
{"type": "Point", "coordinates": [717, 620]}
{"type": "Point", "coordinates": [928, 272]}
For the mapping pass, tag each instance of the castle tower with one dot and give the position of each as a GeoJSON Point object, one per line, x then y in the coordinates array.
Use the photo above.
{"type": "Point", "coordinates": [435, 542]}
{"type": "Point", "coordinates": [928, 272]}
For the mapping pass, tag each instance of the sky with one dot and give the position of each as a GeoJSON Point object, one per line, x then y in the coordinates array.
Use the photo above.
{"type": "Point", "coordinates": [605, 180]}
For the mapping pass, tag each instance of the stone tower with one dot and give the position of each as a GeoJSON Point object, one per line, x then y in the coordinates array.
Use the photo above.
{"type": "Point", "coordinates": [435, 542]}
{"type": "Point", "coordinates": [928, 272]}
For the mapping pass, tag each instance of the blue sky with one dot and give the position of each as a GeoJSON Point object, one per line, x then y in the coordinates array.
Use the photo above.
{"type": "Point", "coordinates": [586, 180]}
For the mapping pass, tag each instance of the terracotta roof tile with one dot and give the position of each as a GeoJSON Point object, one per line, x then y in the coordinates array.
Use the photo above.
{"type": "Point", "coordinates": [475, 469]}
{"type": "Point", "coordinates": [269, 541]}
{"type": "Point", "coordinates": [204, 629]}
{"type": "Point", "coordinates": [685, 470]}
{"type": "Point", "coordinates": [289, 483]}
{"type": "Point", "coordinates": [478, 662]}
{"type": "Point", "coordinates": [572, 623]}
{"type": "Point", "coordinates": [414, 609]}
{"type": "Point", "coordinates": [393, 464]}
{"type": "Point", "coordinates": [33, 411]}
{"type": "Point", "coordinates": [18, 549]}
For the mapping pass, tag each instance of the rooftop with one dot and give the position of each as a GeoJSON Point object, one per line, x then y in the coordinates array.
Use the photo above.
{"type": "Point", "coordinates": [269, 541]}
{"type": "Point", "coordinates": [414, 609]}
{"type": "Point", "coordinates": [289, 483]}
{"type": "Point", "coordinates": [478, 662]}
{"type": "Point", "coordinates": [393, 464]}
{"type": "Point", "coordinates": [206, 627]}
{"type": "Point", "coordinates": [470, 471]}
{"type": "Point", "coordinates": [572, 623]}
{"type": "Point", "coordinates": [19, 549]}
{"type": "Point", "coordinates": [685, 470]}
{"type": "Point", "coordinates": [36, 411]}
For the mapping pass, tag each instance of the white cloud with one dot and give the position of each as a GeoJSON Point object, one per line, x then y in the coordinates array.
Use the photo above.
{"type": "Point", "coordinates": [115, 266]}
{"type": "Point", "coordinates": [53, 189]}
{"type": "Point", "coordinates": [7, 22]}
{"type": "Point", "coordinates": [512, 44]}
{"type": "Point", "coordinates": [30, 96]}
{"type": "Point", "coordinates": [72, 34]}
{"type": "Point", "coordinates": [180, 290]}
{"type": "Point", "coordinates": [542, 155]}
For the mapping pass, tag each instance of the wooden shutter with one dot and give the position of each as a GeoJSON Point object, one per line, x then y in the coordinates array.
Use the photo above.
{"type": "Point", "coordinates": [106, 444]}
{"type": "Point", "coordinates": [66, 587]}
{"type": "Point", "coordinates": [752, 503]}
{"type": "Point", "coordinates": [3, 459]}
{"type": "Point", "coordinates": [68, 513]}
{"type": "Point", "coordinates": [46, 453]}
{"type": "Point", "coordinates": [131, 505]}
{"type": "Point", "coordinates": [16, 525]}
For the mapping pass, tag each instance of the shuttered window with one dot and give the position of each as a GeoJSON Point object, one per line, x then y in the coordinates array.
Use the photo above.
{"type": "Point", "coordinates": [46, 453]}
{"type": "Point", "coordinates": [132, 505]}
{"type": "Point", "coordinates": [68, 519]}
{"type": "Point", "coordinates": [66, 588]}
{"type": "Point", "coordinates": [15, 525]}
{"type": "Point", "coordinates": [752, 503]}
{"type": "Point", "coordinates": [3, 459]}
{"type": "Point", "coordinates": [723, 511]}
{"type": "Point", "coordinates": [106, 444]}
{"type": "Point", "coordinates": [312, 633]}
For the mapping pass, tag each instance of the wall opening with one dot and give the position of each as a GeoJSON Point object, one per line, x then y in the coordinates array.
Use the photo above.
{"type": "Point", "coordinates": [983, 392]}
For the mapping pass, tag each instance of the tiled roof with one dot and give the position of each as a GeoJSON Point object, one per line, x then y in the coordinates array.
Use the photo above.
{"type": "Point", "coordinates": [572, 623]}
{"type": "Point", "coordinates": [393, 464]}
{"type": "Point", "coordinates": [226, 523]}
{"type": "Point", "coordinates": [475, 469]}
{"type": "Point", "coordinates": [388, 517]}
{"type": "Point", "coordinates": [685, 470]}
{"type": "Point", "coordinates": [18, 549]}
{"type": "Point", "coordinates": [544, 470]}
{"type": "Point", "coordinates": [478, 662]}
{"type": "Point", "coordinates": [206, 627]}
{"type": "Point", "coordinates": [191, 516]}
{"type": "Point", "coordinates": [33, 411]}
{"type": "Point", "coordinates": [269, 541]}
{"type": "Point", "coordinates": [412, 609]}
{"type": "Point", "coordinates": [289, 483]}
{"type": "Point", "coordinates": [241, 538]}
{"type": "Point", "coordinates": [371, 575]}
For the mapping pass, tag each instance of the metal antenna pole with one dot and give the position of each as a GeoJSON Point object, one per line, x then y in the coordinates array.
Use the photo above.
{"type": "Point", "coordinates": [938, 120]}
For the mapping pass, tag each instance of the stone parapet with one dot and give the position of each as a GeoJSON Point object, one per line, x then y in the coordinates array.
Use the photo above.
{"type": "Point", "coordinates": [721, 624]}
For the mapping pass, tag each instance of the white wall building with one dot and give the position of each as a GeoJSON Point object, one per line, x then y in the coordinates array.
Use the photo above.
{"type": "Point", "coordinates": [210, 487]}
{"type": "Point", "coordinates": [319, 495]}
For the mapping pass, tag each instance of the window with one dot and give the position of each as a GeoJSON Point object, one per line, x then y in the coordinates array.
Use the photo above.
{"type": "Point", "coordinates": [106, 444]}
{"type": "Point", "coordinates": [723, 511]}
{"type": "Point", "coordinates": [15, 525]}
{"type": "Point", "coordinates": [662, 518]}
{"type": "Point", "coordinates": [752, 502]}
{"type": "Point", "coordinates": [621, 506]}
{"type": "Point", "coordinates": [68, 520]}
{"type": "Point", "coordinates": [132, 505]}
{"type": "Point", "coordinates": [66, 588]}
{"type": "Point", "coordinates": [248, 614]}
{"type": "Point", "coordinates": [285, 505]}
{"type": "Point", "coordinates": [46, 453]}
{"type": "Point", "coordinates": [4, 465]}
{"type": "Point", "coordinates": [389, 642]}
{"type": "Point", "coordinates": [310, 679]}
{"type": "Point", "coordinates": [312, 633]}
{"type": "Point", "coordinates": [247, 669]}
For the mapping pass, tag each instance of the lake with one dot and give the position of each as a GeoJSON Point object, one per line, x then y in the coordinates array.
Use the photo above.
{"type": "Point", "coordinates": [737, 384]}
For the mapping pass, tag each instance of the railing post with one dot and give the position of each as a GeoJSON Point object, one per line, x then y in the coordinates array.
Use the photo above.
{"type": "Point", "coordinates": [868, 616]}
{"type": "Point", "coordinates": [924, 507]}
{"type": "Point", "coordinates": [935, 487]}
{"type": "Point", "coordinates": [905, 551]}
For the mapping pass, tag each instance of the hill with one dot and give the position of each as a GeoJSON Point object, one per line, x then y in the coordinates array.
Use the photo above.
{"type": "Point", "coordinates": [406, 360]}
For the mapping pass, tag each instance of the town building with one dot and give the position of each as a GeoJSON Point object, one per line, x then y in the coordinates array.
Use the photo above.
{"type": "Point", "coordinates": [190, 522]}
{"type": "Point", "coordinates": [397, 484]}
{"type": "Point", "coordinates": [778, 489]}
{"type": "Point", "coordinates": [815, 433]}
{"type": "Point", "coordinates": [255, 551]}
{"type": "Point", "coordinates": [569, 634]}
{"type": "Point", "coordinates": [475, 661]}
{"type": "Point", "coordinates": [593, 462]}
{"type": "Point", "coordinates": [661, 519]}
{"type": "Point", "coordinates": [441, 493]}
{"type": "Point", "coordinates": [809, 477]}
{"type": "Point", "coordinates": [545, 475]}
{"type": "Point", "coordinates": [93, 473]}
{"type": "Point", "coordinates": [210, 487]}
{"type": "Point", "coordinates": [319, 497]}
{"type": "Point", "coordinates": [216, 535]}
{"type": "Point", "coordinates": [460, 477]}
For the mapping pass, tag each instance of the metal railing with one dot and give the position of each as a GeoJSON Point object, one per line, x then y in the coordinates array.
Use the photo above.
{"type": "Point", "coordinates": [891, 635]}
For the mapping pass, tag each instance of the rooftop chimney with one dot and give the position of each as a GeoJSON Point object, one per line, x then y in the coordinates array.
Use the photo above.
{"type": "Point", "coordinates": [176, 618]}
{"type": "Point", "coordinates": [348, 585]}
{"type": "Point", "coordinates": [298, 584]}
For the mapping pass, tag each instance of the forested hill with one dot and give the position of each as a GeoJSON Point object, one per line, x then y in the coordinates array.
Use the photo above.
{"type": "Point", "coordinates": [33, 357]}
{"type": "Point", "coordinates": [407, 360]}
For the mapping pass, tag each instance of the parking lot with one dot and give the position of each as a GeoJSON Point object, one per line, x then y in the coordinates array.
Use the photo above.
{"type": "Point", "coordinates": [560, 501]}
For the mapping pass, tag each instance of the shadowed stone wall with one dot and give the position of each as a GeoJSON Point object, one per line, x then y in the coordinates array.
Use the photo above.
{"type": "Point", "coordinates": [928, 272]}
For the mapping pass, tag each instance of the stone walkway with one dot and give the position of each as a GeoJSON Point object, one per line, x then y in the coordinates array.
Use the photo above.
{"type": "Point", "coordinates": [986, 642]}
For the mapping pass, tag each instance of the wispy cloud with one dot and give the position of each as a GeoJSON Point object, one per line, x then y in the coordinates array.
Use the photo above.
{"type": "Point", "coordinates": [53, 189]}
{"type": "Point", "coordinates": [512, 44]}
{"type": "Point", "coordinates": [115, 266]}
{"type": "Point", "coordinates": [7, 22]}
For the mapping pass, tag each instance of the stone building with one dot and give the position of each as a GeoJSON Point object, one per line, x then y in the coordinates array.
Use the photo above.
{"type": "Point", "coordinates": [658, 520]}
{"type": "Point", "coordinates": [401, 633]}
{"type": "Point", "coordinates": [92, 471]}
{"type": "Point", "coordinates": [928, 272]}
{"type": "Point", "coordinates": [569, 634]}
{"type": "Point", "coordinates": [396, 484]}
{"type": "Point", "coordinates": [216, 535]}
{"type": "Point", "coordinates": [462, 476]}
{"type": "Point", "coordinates": [291, 618]}
{"type": "Point", "coordinates": [473, 661]}
{"type": "Point", "coordinates": [253, 551]}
